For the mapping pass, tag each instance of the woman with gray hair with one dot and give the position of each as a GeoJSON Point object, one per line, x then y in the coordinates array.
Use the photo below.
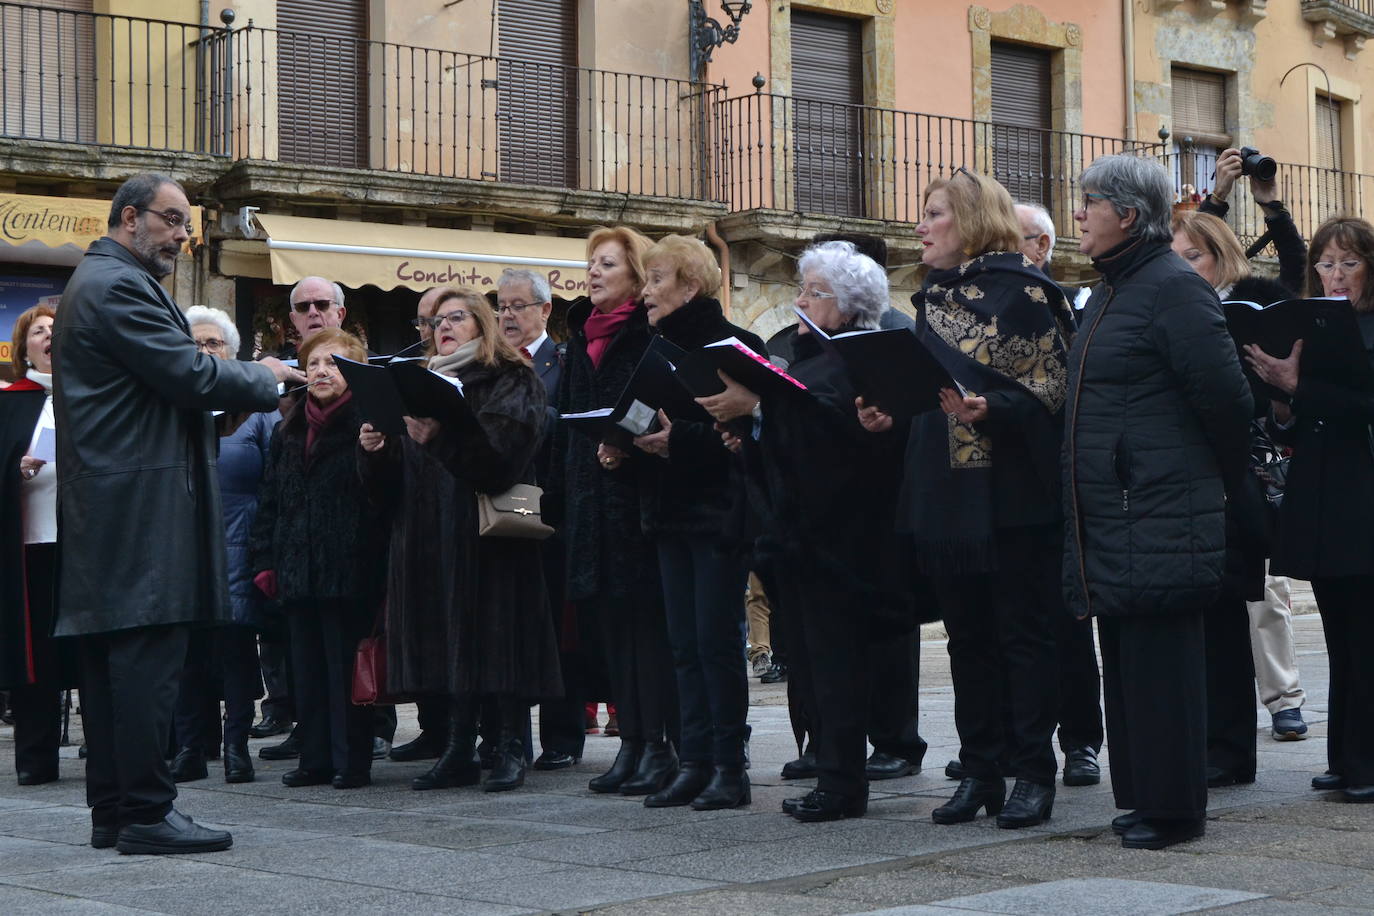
{"type": "Point", "coordinates": [223, 663]}
{"type": "Point", "coordinates": [822, 489]}
{"type": "Point", "coordinates": [1157, 432]}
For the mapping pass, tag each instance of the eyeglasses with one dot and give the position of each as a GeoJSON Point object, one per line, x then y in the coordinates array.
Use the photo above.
{"type": "Point", "coordinates": [1031, 237]}
{"type": "Point", "coordinates": [457, 316]}
{"type": "Point", "coordinates": [1347, 267]}
{"type": "Point", "coordinates": [302, 307]}
{"type": "Point", "coordinates": [514, 308]}
{"type": "Point", "coordinates": [1089, 197]}
{"type": "Point", "coordinates": [210, 344]}
{"type": "Point", "coordinates": [172, 218]}
{"type": "Point", "coordinates": [815, 295]}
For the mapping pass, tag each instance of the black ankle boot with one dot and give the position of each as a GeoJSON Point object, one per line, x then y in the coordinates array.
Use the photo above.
{"type": "Point", "coordinates": [507, 766]}
{"type": "Point", "coordinates": [729, 788]}
{"type": "Point", "coordinates": [691, 779]}
{"type": "Point", "coordinates": [457, 765]}
{"type": "Point", "coordinates": [1030, 804]}
{"type": "Point", "coordinates": [238, 766]}
{"type": "Point", "coordinates": [657, 767]}
{"type": "Point", "coordinates": [829, 806]}
{"type": "Point", "coordinates": [973, 793]}
{"type": "Point", "coordinates": [624, 767]}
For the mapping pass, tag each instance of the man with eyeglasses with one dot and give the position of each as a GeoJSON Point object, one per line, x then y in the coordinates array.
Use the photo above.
{"type": "Point", "coordinates": [140, 532]}
{"type": "Point", "coordinates": [316, 304]}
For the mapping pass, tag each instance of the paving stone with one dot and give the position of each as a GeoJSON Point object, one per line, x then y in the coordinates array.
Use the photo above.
{"type": "Point", "coordinates": [715, 902]}
{"type": "Point", "coordinates": [765, 861]}
{"type": "Point", "coordinates": [582, 887]}
{"type": "Point", "coordinates": [905, 886]}
{"type": "Point", "coordinates": [24, 856]}
{"type": "Point", "coordinates": [479, 833]}
{"type": "Point", "coordinates": [47, 903]}
{"type": "Point", "coordinates": [612, 848]}
{"type": "Point", "coordinates": [1106, 896]}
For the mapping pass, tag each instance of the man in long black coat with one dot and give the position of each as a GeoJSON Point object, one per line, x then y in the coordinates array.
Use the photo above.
{"type": "Point", "coordinates": [141, 554]}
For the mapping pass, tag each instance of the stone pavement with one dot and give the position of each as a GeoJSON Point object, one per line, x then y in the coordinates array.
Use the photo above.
{"type": "Point", "coordinates": [553, 846]}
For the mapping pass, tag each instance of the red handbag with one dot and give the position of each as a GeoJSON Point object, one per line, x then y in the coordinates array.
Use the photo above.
{"type": "Point", "coordinates": [369, 669]}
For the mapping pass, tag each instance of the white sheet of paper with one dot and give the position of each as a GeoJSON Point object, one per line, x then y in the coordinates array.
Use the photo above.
{"type": "Point", "coordinates": [45, 446]}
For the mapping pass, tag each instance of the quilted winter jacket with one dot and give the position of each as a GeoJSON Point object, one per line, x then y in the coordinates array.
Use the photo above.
{"type": "Point", "coordinates": [1157, 421]}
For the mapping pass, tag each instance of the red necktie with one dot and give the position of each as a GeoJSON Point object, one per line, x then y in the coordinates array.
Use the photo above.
{"type": "Point", "coordinates": [526, 353]}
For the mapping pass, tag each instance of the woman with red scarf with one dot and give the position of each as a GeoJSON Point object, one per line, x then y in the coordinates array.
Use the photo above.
{"type": "Point", "coordinates": [319, 549]}
{"type": "Point", "coordinates": [612, 567]}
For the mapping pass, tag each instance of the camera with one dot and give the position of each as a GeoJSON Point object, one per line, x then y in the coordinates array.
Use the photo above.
{"type": "Point", "coordinates": [1257, 165]}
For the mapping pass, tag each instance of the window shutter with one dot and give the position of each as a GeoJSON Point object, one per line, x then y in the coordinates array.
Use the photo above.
{"type": "Point", "coordinates": [49, 62]}
{"type": "Point", "coordinates": [322, 72]}
{"type": "Point", "coordinates": [827, 87]}
{"type": "Point", "coordinates": [538, 91]}
{"type": "Point", "coordinates": [1328, 114]}
{"type": "Point", "coordinates": [1199, 103]}
{"type": "Point", "coordinates": [1021, 120]}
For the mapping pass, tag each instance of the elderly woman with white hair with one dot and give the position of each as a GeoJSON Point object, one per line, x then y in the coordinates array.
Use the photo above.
{"type": "Point", "coordinates": [223, 663]}
{"type": "Point", "coordinates": [821, 488]}
{"type": "Point", "coordinates": [981, 492]}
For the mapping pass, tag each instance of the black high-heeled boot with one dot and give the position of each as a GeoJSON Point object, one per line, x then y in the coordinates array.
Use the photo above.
{"type": "Point", "coordinates": [457, 765]}
{"type": "Point", "coordinates": [973, 793]}
{"type": "Point", "coordinates": [508, 762]}
{"type": "Point", "coordinates": [692, 778]}
{"type": "Point", "coordinates": [728, 788]}
{"type": "Point", "coordinates": [626, 761]}
{"type": "Point", "coordinates": [657, 767]}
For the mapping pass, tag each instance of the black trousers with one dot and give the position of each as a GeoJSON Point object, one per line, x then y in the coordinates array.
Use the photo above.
{"type": "Point", "coordinates": [335, 734]}
{"type": "Point", "coordinates": [274, 655]}
{"type": "Point", "coordinates": [38, 706]}
{"type": "Point", "coordinates": [703, 596]}
{"type": "Point", "coordinates": [893, 706]}
{"type": "Point", "coordinates": [1230, 688]}
{"type": "Point", "coordinates": [1154, 682]}
{"type": "Point", "coordinates": [220, 662]}
{"type": "Point", "coordinates": [634, 637]}
{"type": "Point", "coordinates": [128, 690]}
{"type": "Point", "coordinates": [828, 644]}
{"type": "Point", "coordinates": [563, 721]}
{"type": "Point", "coordinates": [1349, 629]}
{"type": "Point", "coordinates": [1080, 683]}
{"type": "Point", "coordinates": [1003, 659]}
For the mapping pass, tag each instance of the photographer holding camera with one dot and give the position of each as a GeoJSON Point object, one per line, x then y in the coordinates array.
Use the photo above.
{"type": "Point", "coordinates": [1278, 222]}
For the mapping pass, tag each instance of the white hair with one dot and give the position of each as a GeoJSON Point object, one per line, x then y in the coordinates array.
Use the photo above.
{"type": "Point", "coordinates": [539, 284]}
{"type": "Point", "coordinates": [338, 290]}
{"type": "Point", "coordinates": [860, 285]}
{"type": "Point", "coordinates": [200, 314]}
{"type": "Point", "coordinates": [1040, 217]}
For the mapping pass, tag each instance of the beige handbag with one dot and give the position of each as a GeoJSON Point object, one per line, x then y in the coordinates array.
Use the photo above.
{"type": "Point", "coordinates": [512, 514]}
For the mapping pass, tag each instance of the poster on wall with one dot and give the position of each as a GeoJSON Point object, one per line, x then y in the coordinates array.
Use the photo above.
{"type": "Point", "coordinates": [17, 295]}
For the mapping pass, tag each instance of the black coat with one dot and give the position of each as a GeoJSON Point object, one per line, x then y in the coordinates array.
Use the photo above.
{"type": "Point", "coordinates": [692, 491]}
{"type": "Point", "coordinates": [20, 407]}
{"type": "Point", "coordinates": [608, 554]}
{"type": "Point", "coordinates": [140, 533]}
{"type": "Point", "coordinates": [1157, 420]}
{"type": "Point", "coordinates": [1326, 522]}
{"type": "Point", "coordinates": [315, 526]}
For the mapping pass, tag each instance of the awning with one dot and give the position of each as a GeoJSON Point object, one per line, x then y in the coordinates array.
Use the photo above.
{"type": "Point", "coordinates": [356, 254]}
{"type": "Point", "coordinates": [55, 230]}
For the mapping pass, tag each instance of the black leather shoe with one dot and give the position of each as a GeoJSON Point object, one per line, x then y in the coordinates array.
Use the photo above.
{"type": "Point", "coordinates": [554, 760]}
{"type": "Point", "coordinates": [1123, 822]}
{"type": "Point", "coordinates": [298, 778]}
{"type": "Point", "coordinates": [1217, 777]}
{"type": "Point", "coordinates": [1081, 767]}
{"type": "Point", "coordinates": [657, 767]}
{"type": "Point", "coordinates": [349, 779]}
{"type": "Point", "coordinates": [508, 767]}
{"type": "Point", "coordinates": [776, 674]}
{"type": "Point", "coordinates": [1154, 833]}
{"type": "Point", "coordinates": [1328, 782]}
{"type": "Point", "coordinates": [1030, 804]}
{"type": "Point", "coordinates": [728, 788]}
{"type": "Point", "coordinates": [804, 767]}
{"type": "Point", "coordinates": [829, 806]}
{"type": "Point", "coordinates": [955, 770]}
{"type": "Point", "coordinates": [238, 765]}
{"type": "Point", "coordinates": [972, 794]}
{"type": "Point", "coordinates": [790, 805]}
{"type": "Point", "coordinates": [886, 766]}
{"type": "Point", "coordinates": [174, 834]}
{"type": "Point", "coordinates": [486, 753]}
{"type": "Point", "coordinates": [290, 749]}
{"type": "Point", "coordinates": [626, 760]}
{"type": "Point", "coordinates": [104, 837]}
{"type": "Point", "coordinates": [692, 777]}
{"type": "Point", "coordinates": [1358, 794]}
{"type": "Point", "coordinates": [189, 765]}
{"type": "Point", "coordinates": [36, 777]}
{"type": "Point", "coordinates": [269, 727]}
{"type": "Point", "coordinates": [427, 746]}
{"type": "Point", "coordinates": [380, 748]}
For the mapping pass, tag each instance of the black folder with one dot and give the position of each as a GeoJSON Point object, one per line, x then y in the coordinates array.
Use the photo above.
{"type": "Point", "coordinates": [1333, 347]}
{"type": "Point", "coordinates": [696, 370]}
{"type": "Point", "coordinates": [404, 388]}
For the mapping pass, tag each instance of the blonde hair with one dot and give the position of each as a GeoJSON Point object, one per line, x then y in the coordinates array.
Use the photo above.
{"type": "Point", "coordinates": [690, 259]}
{"type": "Point", "coordinates": [1212, 234]}
{"type": "Point", "coordinates": [492, 347]}
{"type": "Point", "coordinates": [983, 211]}
{"type": "Point", "coordinates": [634, 243]}
{"type": "Point", "coordinates": [19, 354]}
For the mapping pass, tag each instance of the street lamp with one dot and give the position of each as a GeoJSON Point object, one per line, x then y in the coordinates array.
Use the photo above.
{"type": "Point", "coordinates": [707, 34]}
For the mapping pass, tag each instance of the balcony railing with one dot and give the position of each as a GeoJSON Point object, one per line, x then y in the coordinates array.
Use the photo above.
{"type": "Point", "coordinates": [784, 153]}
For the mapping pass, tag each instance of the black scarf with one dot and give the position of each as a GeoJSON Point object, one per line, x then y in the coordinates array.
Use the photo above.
{"type": "Point", "coordinates": [995, 322]}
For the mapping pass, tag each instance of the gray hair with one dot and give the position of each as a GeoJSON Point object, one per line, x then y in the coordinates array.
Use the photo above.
{"type": "Point", "coordinates": [1133, 182]}
{"type": "Point", "coordinates": [539, 284]}
{"type": "Point", "coordinates": [860, 285]}
{"type": "Point", "coordinates": [200, 314]}
{"type": "Point", "coordinates": [1041, 218]}
{"type": "Point", "coordinates": [138, 192]}
{"type": "Point", "coordinates": [338, 290]}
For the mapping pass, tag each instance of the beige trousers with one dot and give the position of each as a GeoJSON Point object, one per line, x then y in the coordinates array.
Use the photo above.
{"type": "Point", "coordinates": [757, 611]}
{"type": "Point", "coordinates": [1271, 644]}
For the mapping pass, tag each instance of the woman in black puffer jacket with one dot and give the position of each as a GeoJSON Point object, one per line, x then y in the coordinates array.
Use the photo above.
{"type": "Point", "coordinates": [685, 497]}
{"type": "Point", "coordinates": [1157, 425]}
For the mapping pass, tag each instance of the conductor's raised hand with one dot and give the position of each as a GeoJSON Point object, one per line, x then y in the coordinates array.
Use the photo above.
{"type": "Point", "coordinates": [281, 371]}
{"type": "Point", "coordinates": [871, 418]}
{"type": "Point", "coordinates": [735, 401]}
{"type": "Point", "coordinates": [966, 410]}
{"type": "Point", "coordinates": [1280, 373]}
{"type": "Point", "coordinates": [370, 439]}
